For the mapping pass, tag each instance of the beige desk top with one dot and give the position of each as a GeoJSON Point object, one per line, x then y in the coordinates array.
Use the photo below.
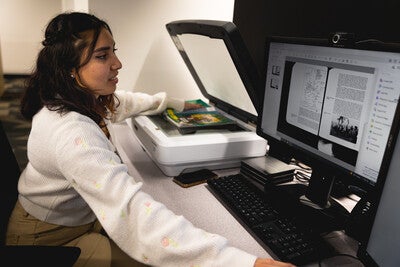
{"type": "Point", "coordinates": [198, 204]}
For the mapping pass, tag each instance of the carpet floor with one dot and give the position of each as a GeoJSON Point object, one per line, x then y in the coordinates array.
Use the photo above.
{"type": "Point", "coordinates": [16, 127]}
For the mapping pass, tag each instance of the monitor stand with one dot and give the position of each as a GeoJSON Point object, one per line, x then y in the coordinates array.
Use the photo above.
{"type": "Point", "coordinates": [318, 196]}
{"type": "Point", "coordinates": [318, 193]}
{"type": "Point", "coordinates": [314, 203]}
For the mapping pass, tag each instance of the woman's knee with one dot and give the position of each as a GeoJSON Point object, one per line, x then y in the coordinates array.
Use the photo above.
{"type": "Point", "coordinates": [95, 250]}
{"type": "Point", "coordinates": [121, 259]}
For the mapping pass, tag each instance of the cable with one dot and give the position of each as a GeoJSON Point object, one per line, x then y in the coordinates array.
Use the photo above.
{"type": "Point", "coordinates": [369, 41]}
{"type": "Point", "coordinates": [302, 177]}
{"type": "Point", "coordinates": [301, 165]}
{"type": "Point", "coordinates": [357, 190]}
{"type": "Point", "coordinates": [302, 173]}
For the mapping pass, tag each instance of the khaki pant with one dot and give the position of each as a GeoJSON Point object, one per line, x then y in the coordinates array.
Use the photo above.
{"type": "Point", "coordinates": [97, 250]}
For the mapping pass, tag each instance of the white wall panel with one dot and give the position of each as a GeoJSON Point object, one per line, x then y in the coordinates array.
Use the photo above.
{"type": "Point", "coordinates": [151, 63]}
{"type": "Point", "coordinates": [22, 24]}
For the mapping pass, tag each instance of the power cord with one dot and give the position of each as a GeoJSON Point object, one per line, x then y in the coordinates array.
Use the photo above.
{"type": "Point", "coordinates": [303, 172]}
{"type": "Point", "coordinates": [369, 41]}
{"type": "Point", "coordinates": [302, 176]}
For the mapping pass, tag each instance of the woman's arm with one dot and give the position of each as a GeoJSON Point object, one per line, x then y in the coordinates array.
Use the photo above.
{"type": "Point", "coordinates": [271, 263]}
{"type": "Point", "coordinates": [133, 104]}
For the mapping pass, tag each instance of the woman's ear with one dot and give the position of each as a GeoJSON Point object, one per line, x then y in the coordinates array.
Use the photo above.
{"type": "Point", "coordinates": [73, 74]}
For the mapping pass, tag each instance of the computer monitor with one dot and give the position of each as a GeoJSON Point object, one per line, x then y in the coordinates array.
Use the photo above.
{"type": "Point", "coordinates": [330, 107]}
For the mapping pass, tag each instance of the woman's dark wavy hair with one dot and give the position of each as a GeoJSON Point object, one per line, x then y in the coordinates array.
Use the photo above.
{"type": "Point", "coordinates": [50, 84]}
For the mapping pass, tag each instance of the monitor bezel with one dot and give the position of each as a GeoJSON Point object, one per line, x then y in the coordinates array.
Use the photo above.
{"type": "Point", "coordinates": [375, 196]}
{"type": "Point", "coordinates": [308, 157]}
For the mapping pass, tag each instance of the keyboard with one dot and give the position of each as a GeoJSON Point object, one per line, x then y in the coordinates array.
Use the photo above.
{"type": "Point", "coordinates": [276, 221]}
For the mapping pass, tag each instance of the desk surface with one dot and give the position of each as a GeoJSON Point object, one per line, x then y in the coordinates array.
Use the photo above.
{"type": "Point", "coordinates": [199, 205]}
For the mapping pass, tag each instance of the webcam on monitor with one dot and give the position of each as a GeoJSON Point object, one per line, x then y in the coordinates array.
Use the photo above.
{"type": "Point", "coordinates": [342, 39]}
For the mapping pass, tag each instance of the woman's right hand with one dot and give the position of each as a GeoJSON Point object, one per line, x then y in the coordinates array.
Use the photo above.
{"type": "Point", "coordinates": [271, 263]}
{"type": "Point", "coordinates": [191, 106]}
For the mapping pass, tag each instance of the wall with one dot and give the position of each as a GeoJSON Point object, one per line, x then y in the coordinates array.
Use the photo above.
{"type": "Point", "coordinates": [368, 19]}
{"type": "Point", "coordinates": [75, 5]}
{"type": "Point", "coordinates": [22, 24]}
{"type": "Point", "coordinates": [151, 63]}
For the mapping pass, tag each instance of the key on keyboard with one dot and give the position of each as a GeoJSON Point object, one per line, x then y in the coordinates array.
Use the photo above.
{"type": "Point", "coordinates": [286, 236]}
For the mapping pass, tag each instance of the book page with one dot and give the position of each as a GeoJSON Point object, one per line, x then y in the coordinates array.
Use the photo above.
{"type": "Point", "coordinates": [306, 95]}
{"type": "Point", "coordinates": [346, 99]}
{"type": "Point", "coordinates": [204, 117]}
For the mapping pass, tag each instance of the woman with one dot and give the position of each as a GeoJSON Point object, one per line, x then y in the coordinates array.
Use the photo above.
{"type": "Point", "coordinates": [75, 191]}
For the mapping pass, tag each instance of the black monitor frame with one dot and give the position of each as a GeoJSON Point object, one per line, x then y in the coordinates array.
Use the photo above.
{"type": "Point", "coordinates": [380, 197]}
{"type": "Point", "coordinates": [321, 184]}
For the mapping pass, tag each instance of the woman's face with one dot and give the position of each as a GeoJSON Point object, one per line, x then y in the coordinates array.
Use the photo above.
{"type": "Point", "coordinates": [100, 73]}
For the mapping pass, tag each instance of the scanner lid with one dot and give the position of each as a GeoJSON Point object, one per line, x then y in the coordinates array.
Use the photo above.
{"type": "Point", "coordinates": [220, 63]}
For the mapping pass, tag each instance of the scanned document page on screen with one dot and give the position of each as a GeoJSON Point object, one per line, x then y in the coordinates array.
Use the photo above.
{"type": "Point", "coordinates": [330, 103]}
{"type": "Point", "coordinates": [305, 101]}
{"type": "Point", "coordinates": [346, 99]}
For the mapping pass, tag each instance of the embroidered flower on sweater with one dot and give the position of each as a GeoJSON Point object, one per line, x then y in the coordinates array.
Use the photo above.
{"type": "Point", "coordinates": [74, 183]}
{"type": "Point", "coordinates": [147, 207]}
{"type": "Point", "coordinates": [112, 161]}
{"type": "Point", "coordinates": [97, 185]}
{"type": "Point", "coordinates": [145, 259]}
{"type": "Point", "coordinates": [102, 215]}
{"type": "Point", "coordinates": [79, 141]}
{"type": "Point", "coordinates": [123, 214]}
{"type": "Point", "coordinates": [166, 242]}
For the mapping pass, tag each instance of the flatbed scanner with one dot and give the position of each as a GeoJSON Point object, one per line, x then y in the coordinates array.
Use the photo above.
{"type": "Point", "coordinates": [220, 63]}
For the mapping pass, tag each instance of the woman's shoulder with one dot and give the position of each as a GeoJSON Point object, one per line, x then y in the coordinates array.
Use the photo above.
{"type": "Point", "coordinates": [59, 129]}
{"type": "Point", "coordinates": [47, 114]}
{"type": "Point", "coordinates": [53, 120]}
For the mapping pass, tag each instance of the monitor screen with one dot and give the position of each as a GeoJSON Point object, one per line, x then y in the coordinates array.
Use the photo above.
{"type": "Point", "coordinates": [333, 105]}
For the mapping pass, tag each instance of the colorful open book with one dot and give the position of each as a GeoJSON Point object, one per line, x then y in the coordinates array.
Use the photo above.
{"type": "Point", "coordinates": [199, 119]}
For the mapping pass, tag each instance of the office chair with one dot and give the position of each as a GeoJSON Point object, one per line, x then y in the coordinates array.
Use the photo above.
{"type": "Point", "coordinates": [21, 256]}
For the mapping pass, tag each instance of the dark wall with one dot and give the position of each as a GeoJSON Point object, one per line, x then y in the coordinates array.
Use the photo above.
{"type": "Point", "coordinates": [367, 19]}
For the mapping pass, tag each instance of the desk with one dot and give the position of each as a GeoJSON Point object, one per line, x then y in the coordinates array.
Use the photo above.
{"type": "Point", "coordinates": [197, 203]}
